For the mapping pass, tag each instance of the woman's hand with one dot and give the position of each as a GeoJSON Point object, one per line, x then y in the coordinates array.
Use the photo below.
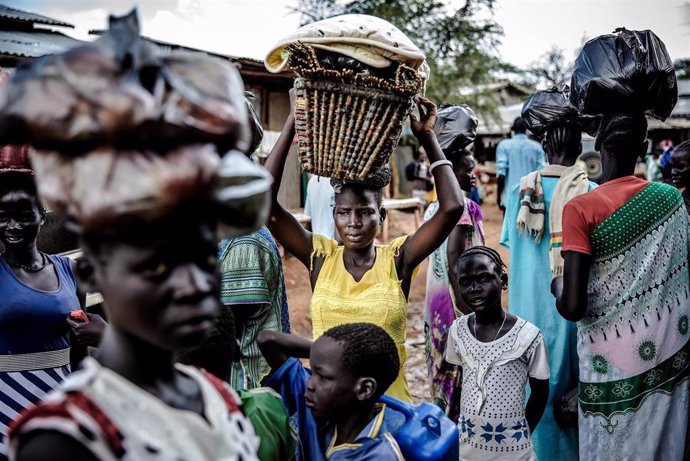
{"type": "Point", "coordinates": [88, 333]}
{"type": "Point", "coordinates": [423, 128]}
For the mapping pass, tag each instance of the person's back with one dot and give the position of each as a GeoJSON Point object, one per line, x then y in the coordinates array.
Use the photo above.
{"type": "Point", "coordinates": [625, 246]}
{"type": "Point", "coordinates": [319, 206]}
{"type": "Point", "coordinates": [516, 157]}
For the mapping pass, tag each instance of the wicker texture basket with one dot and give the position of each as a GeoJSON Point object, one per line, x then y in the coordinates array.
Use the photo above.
{"type": "Point", "coordinates": [348, 124]}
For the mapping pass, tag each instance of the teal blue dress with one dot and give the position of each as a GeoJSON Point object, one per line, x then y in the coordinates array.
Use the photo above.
{"type": "Point", "coordinates": [529, 297]}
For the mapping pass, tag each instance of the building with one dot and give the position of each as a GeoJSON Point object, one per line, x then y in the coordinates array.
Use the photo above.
{"type": "Point", "coordinates": [25, 35]}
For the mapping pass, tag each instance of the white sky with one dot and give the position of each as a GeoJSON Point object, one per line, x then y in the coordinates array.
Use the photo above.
{"type": "Point", "coordinates": [250, 27]}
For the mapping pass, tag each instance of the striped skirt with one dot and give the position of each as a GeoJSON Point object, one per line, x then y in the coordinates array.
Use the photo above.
{"type": "Point", "coordinates": [24, 380]}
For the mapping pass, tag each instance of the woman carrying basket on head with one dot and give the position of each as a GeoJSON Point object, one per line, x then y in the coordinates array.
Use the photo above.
{"type": "Point", "coordinates": [360, 281]}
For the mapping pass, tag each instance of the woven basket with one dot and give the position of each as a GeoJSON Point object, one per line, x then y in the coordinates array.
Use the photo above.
{"type": "Point", "coordinates": [348, 124]}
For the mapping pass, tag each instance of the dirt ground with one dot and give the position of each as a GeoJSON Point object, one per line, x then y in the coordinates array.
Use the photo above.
{"type": "Point", "coordinates": [299, 292]}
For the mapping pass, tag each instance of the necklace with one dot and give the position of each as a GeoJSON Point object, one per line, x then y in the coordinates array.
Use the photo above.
{"type": "Point", "coordinates": [44, 263]}
{"type": "Point", "coordinates": [497, 333]}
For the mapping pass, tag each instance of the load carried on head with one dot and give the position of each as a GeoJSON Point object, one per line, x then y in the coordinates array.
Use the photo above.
{"type": "Point", "coordinates": [455, 128]}
{"type": "Point", "coordinates": [546, 109]}
{"type": "Point", "coordinates": [124, 133]}
{"type": "Point", "coordinates": [358, 76]}
{"type": "Point", "coordinates": [628, 71]}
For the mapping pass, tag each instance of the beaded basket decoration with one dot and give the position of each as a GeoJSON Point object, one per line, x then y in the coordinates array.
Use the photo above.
{"type": "Point", "coordinates": [348, 123]}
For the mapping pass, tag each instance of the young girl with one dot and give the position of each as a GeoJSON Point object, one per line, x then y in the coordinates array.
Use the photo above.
{"type": "Point", "coordinates": [359, 281]}
{"type": "Point", "coordinates": [498, 352]}
{"type": "Point", "coordinates": [442, 303]}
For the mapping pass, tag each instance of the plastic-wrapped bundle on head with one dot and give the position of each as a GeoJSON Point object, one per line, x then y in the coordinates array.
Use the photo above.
{"type": "Point", "coordinates": [455, 127]}
{"type": "Point", "coordinates": [625, 71]}
{"type": "Point", "coordinates": [119, 90]}
{"type": "Point", "coordinates": [163, 161]}
{"type": "Point", "coordinates": [546, 109]}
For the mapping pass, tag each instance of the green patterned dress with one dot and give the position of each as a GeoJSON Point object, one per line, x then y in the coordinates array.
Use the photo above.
{"type": "Point", "coordinates": [633, 340]}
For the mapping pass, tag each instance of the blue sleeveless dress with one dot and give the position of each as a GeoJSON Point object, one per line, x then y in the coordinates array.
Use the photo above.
{"type": "Point", "coordinates": [34, 340]}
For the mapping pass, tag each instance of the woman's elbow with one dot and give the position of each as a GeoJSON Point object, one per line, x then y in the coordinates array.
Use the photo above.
{"type": "Point", "coordinates": [453, 207]}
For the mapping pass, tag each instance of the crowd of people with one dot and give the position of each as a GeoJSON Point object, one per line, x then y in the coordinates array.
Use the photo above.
{"type": "Point", "coordinates": [196, 360]}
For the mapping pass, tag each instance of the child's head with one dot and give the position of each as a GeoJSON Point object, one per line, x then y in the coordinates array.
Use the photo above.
{"type": "Point", "coordinates": [463, 168]}
{"type": "Point", "coordinates": [680, 165]}
{"type": "Point", "coordinates": [159, 278]}
{"type": "Point", "coordinates": [563, 144]}
{"type": "Point", "coordinates": [352, 366]}
{"type": "Point", "coordinates": [358, 211]}
{"type": "Point", "coordinates": [481, 277]}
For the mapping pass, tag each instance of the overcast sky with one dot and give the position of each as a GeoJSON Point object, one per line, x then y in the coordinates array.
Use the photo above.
{"type": "Point", "coordinates": [250, 27]}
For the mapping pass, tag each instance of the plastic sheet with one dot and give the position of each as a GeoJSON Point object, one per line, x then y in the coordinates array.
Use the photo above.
{"type": "Point", "coordinates": [624, 71]}
{"type": "Point", "coordinates": [107, 188]}
{"type": "Point", "coordinates": [118, 91]}
{"type": "Point", "coordinates": [545, 109]}
{"type": "Point", "coordinates": [455, 127]}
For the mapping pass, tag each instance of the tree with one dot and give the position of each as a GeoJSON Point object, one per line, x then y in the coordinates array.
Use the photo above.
{"type": "Point", "coordinates": [459, 46]}
{"type": "Point", "coordinates": [682, 68]}
{"type": "Point", "coordinates": [551, 69]}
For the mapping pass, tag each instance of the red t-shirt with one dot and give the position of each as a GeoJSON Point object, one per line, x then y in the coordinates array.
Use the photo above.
{"type": "Point", "coordinates": [585, 212]}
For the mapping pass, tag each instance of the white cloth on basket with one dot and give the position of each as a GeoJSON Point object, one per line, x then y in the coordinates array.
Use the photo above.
{"type": "Point", "coordinates": [368, 39]}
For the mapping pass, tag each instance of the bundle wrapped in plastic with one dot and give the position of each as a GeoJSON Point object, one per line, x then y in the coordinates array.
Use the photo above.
{"type": "Point", "coordinates": [625, 71]}
{"type": "Point", "coordinates": [545, 109]}
{"type": "Point", "coordinates": [124, 136]}
{"type": "Point", "coordinates": [117, 91]}
{"type": "Point", "coordinates": [110, 189]}
{"type": "Point", "coordinates": [455, 127]}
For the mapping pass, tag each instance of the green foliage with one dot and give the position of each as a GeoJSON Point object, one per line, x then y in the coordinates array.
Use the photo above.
{"type": "Point", "coordinates": [459, 46]}
{"type": "Point", "coordinates": [551, 69]}
{"type": "Point", "coordinates": [682, 68]}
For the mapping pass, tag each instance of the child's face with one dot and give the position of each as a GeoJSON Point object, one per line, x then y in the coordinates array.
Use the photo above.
{"type": "Point", "coordinates": [680, 168]}
{"type": "Point", "coordinates": [480, 283]}
{"type": "Point", "coordinates": [464, 172]}
{"type": "Point", "coordinates": [162, 290]}
{"type": "Point", "coordinates": [357, 217]}
{"type": "Point", "coordinates": [331, 390]}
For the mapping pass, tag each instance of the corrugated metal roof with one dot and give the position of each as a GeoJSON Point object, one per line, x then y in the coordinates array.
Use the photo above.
{"type": "Point", "coordinates": [25, 16]}
{"type": "Point", "coordinates": [32, 44]}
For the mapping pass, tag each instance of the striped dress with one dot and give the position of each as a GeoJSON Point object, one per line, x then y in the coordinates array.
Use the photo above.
{"type": "Point", "coordinates": [252, 277]}
{"type": "Point", "coordinates": [34, 340]}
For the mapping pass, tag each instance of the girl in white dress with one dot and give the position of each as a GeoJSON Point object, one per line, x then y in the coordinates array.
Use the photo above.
{"type": "Point", "coordinates": [498, 353]}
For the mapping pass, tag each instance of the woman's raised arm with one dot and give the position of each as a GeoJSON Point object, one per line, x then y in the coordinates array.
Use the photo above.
{"type": "Point", "coordinates": [285, 228]}
{"type": "Point", "coordinates": [434, 231]}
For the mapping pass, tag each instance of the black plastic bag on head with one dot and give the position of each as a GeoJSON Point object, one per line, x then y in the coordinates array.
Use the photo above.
{"type": "Point", "coordinates": [624, 71]}
{"type": "Point", "coordinates": [545, 109]}
{"type": "Point", "coordinates": [455, 127]}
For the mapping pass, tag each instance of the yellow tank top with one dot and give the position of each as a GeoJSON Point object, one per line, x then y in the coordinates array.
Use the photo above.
{"type": "Point", "coordinates": [377, 298]}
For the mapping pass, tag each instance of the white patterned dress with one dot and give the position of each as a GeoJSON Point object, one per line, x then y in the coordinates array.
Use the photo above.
{"type": "Point", "coordinates": [492, 422]}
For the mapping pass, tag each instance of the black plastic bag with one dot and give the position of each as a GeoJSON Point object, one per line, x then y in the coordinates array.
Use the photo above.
{"type": "Point", "coordinates": [624, 71]}
{"type": "Point", "coordinates": [545, 109]}
{"type": "Point", "coordinates": [456, 127]}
